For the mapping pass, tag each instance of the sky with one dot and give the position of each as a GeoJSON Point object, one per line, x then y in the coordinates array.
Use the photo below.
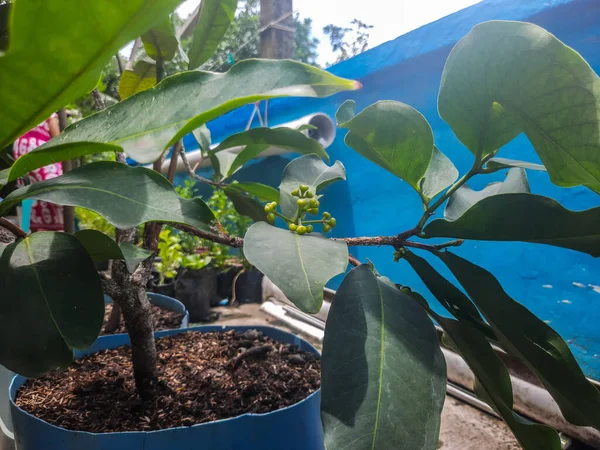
{"type": "Point", "coordinates": [390, 18]}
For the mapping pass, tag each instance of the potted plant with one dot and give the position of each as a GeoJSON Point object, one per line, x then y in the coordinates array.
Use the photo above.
{"type": "Point", "coordinates": [383, 374]}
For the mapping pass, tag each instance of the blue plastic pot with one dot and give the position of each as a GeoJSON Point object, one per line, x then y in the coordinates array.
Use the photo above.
{"type": "Point", "coordinates": [297, 427]}
{"type": "Point", "coordinates": [166, 303]}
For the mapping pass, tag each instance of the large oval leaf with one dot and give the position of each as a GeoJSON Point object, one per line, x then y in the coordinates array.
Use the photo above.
{"type": "Point", "coordinates": [52, 302]}
{"type": "Point", "coordinates": [142, 77]}
{"type": "Point", "coordinates": [258, 140]}
{"type": "Point", "coordinates": [541, 348]}
{"type": "Point", "coordinates": [465, 197]}
{"type": "Point", "coordinates": [214, 19]}
{"type": "Point", "coordinates": [308, 170]}
{"type": "Point", "coordinates": [125, 196]}
{"type": "Point", "coordinates": [506, 77]}
{"type": "Point", "coordinates": [80, 36]}
{"type": "Point", "coordinates": [150, 121]}
{"type": "Point", "coordinates": [394, 136]}
{"type": "Point", "coordinates": [525, 218]}
{"type": "Point", "coordinates": [383, 373]}
{"type": "Point", "coordinates": [298, 265]}
{"type": "Point", "coordinates": [160, 42]}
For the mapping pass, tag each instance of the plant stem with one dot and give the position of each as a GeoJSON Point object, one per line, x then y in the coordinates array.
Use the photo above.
{"type": "Point", "coordinates": [193, 174]}
{"type": "Point", "coordinates": [14, 229]}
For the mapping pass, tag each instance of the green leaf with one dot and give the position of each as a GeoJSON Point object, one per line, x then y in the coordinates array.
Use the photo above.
{"type": "Point", "coordinates": [525, 218]}
{"type": "Point", "coordinates": [504, 78]}
{"type": "Point", "coordinates": [222, 163]}
{"type": "Point", "coordinates": [496, 164]}
{"type": "Point", "coordinates": [440, 174]}
{"type": "Point", "coordinates": [147, 123]}
{"type": "Point", "coordinates": [80, 37]}
{"type": "Point", "coordinates": [449, 296]}
{"type": "Point", "coordinates": [346, 112]}
{"type": "Point", "coordinates": [262, 191]}
{"type": "Point", "coordinates": [493, 383]}
{"type": "Point", "coordinates": [160, 42]}
{"type": "Point", "coordinates": [308, 170]}
{"type": "Point", "coordinates": [101, 247]}
{"type": "Point", "coordinates": [39, 157]}
{"type": "Point", "coordinates": [383, 373]}
{"type": "Point", "coordinates": [245, 205]}
{"type": "Point", "coordinates": [298, 265]}
{"type": "Point", "coordinates": [203, 137]}
{"type": "Point", "coordinates": [464, 198]}
{"type": "Point", "coordinates": [214, 19]}
{"type": "Point", "coordinates": [142, 77]}
{"type": "Point", "coordinates": [125, 196]}
{"type": "Point", "coordinates": [541, 348]}
{"type": "Point", "coordinates": [52, 302]}
{"type": "Point", "coordinates": [394, 136]}
{"type": "Point", "coordinates": [257, 140]}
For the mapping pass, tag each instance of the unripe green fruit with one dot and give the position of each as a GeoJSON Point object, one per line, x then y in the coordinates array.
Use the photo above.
{"type": "Point", "coordinates": [302, 202]}
{"type": "Point", "coordinates": [309, 194]}
{"type": "Point", "coordinates": [303, 188]}
{"type": "Point", "coordinates": [296, 193]}
{"type": "Point", "coordinates": [270, 217]}
{"type": "Point", "coordinates": [309, 228]}
{"type": "Point", "coordinates": [326, 228]}
{"type": "Point", "coordinates": [293, 227]}
{"type": "Point", "coordinates": [332, 222]}
{"type": "Point", "coordinates": [268, 208]}
{"type": "Point", "coordinates": [313, 211]}
{"type": "Point", "coordinates": [326, 215]}
{"type": "Point", "coordinates": [314, 203]}
{"type": "Point", "coordinates": [301, 229]}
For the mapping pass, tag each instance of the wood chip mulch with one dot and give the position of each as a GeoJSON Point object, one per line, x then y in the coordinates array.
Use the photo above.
{"type": "Point", "coordinates": [164, 319]}
{"type": "Point", "coordinates": [202, 377]}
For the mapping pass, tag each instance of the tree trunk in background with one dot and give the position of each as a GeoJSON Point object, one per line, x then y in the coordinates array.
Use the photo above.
{"type": "Point", "coordinates": [277, 40]}
{"type": "Point", "coordinates": [68, 212]}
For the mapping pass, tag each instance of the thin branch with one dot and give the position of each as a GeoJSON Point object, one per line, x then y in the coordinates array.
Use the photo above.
{"type": "Point", "coordinates": [219, 238]}
{"type": "Point", "coordinates": [100, 105]}
{"type": "Point", "coordinates": [355, 262]}
{"type": "Point", "coordinates": [177, 149]}
{"type": "Point", "coordinates": [14, 229]}
{"type": "Point", "coordinates": [193, 174]}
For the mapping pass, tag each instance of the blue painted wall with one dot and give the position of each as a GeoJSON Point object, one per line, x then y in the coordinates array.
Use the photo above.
{"type": "Point", "coordinates": [557, 285]}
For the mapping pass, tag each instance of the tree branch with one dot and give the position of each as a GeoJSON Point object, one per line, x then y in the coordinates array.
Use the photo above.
{"type": "Point", "coordinates": [219, 238]}
{"type": "Point", "coordinates": [14, 229]}
{"type": "Point", "coordinates": [193, 174]}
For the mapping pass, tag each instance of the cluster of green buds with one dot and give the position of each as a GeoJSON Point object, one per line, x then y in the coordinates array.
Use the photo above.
{"type": "Point", "coordinates": [307, 203]}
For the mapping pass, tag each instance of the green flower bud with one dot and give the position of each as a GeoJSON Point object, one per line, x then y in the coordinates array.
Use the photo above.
{"type": "Point", "coordinates": [309, 194]}
{"type": "Point", "coordinates": [301, 202]}
{"type": "Point", "coordinates": [301, 229]}
{"type": "Point", "coordinates": [271, 218]}
{"type": "Point", "coordinates": [309, 229]}
{"type": "Point", "coordinates": [313, 211]}
{"type": "Point", "coordinates": [326, 215]}
{"type": "Point", "coordinates": [293, 227]}
{"type": "Point", "coordinates": [332, 222]}
{"type": "Point", "coordinates": [296, 193]}
{"type": "Point", "coordinates": [326, 228]}
{"type": "Point", "coordinates": [314, 203]}
{"type": "Point", "coordinates": [303, 188]}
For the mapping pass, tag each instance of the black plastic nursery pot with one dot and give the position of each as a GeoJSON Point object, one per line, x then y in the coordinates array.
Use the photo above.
{"type": "Point", "coordinates": [297, 427]}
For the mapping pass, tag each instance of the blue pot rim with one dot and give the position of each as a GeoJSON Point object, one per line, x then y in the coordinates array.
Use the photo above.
{"type": "Point", "coordinates": [19, 380]}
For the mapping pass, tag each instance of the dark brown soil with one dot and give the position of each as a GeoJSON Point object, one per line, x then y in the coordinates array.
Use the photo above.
{"type": "Point", "coordinates": [164, 319]}
{"type": "Point", "coordinates": [202, 377]}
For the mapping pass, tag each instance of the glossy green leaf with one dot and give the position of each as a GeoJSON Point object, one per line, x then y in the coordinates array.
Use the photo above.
{"type": "Point", "coordinates": [52, 302]}
{"type": "Point", "coordinates": [125, 196]}
{"type": "Point", "coordinates": [440, 174]}
{"type": "Point", "coordinates": [142, 77]}
{"type": "Point", "coordinates": [40, 158]}
{"type": "Point", "coordinates": [465, 197]}
{"type": "Point", "coordinates": [525, 218]}
{"type": "Point", "coordinates": [203, 137]}
{"type": "Point", "coordinates": [160, 42]}
{"type": "Point", "coordinates": [258, 140]}
{"type": "Point", "coordinates": [383, 373]}
{"type": "Point", "coordinates": [541, 348]}
{"type": "Point", "coordinates": [493, 382]}
{"type": "Point", "coordinates": [213, 22]}
{"type": "Point", "coordinates": [147, 123]}
{"type": "Point", "coordinates": [504, 78]}
{"type": "Point", "coordinates": [298, 265]}
{"type": "Point", "coordinates": [59, 48]}
{"type": "Point", "coordinates": [346, 112]}
{"type": "Point", "coordinates": [394, 136]}
{"type": "Point", "coordinates": [449, 296]}
{"type": "Point", "coordinates": [245, 205]}
{"type": "Point", "coordinates": [101, 247]}
{"type": "Point", "coordinates": [311, 171]}
{"type": "Point", "coordinates": [495, 164]}
{"type": "Point", "coordinates": [221, 163]}
{"type": "Point", "coordinates": [262, 191]}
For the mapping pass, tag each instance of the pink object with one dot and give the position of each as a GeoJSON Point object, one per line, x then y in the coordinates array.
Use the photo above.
{"type": "Point", "coordinates": [44, 215]}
